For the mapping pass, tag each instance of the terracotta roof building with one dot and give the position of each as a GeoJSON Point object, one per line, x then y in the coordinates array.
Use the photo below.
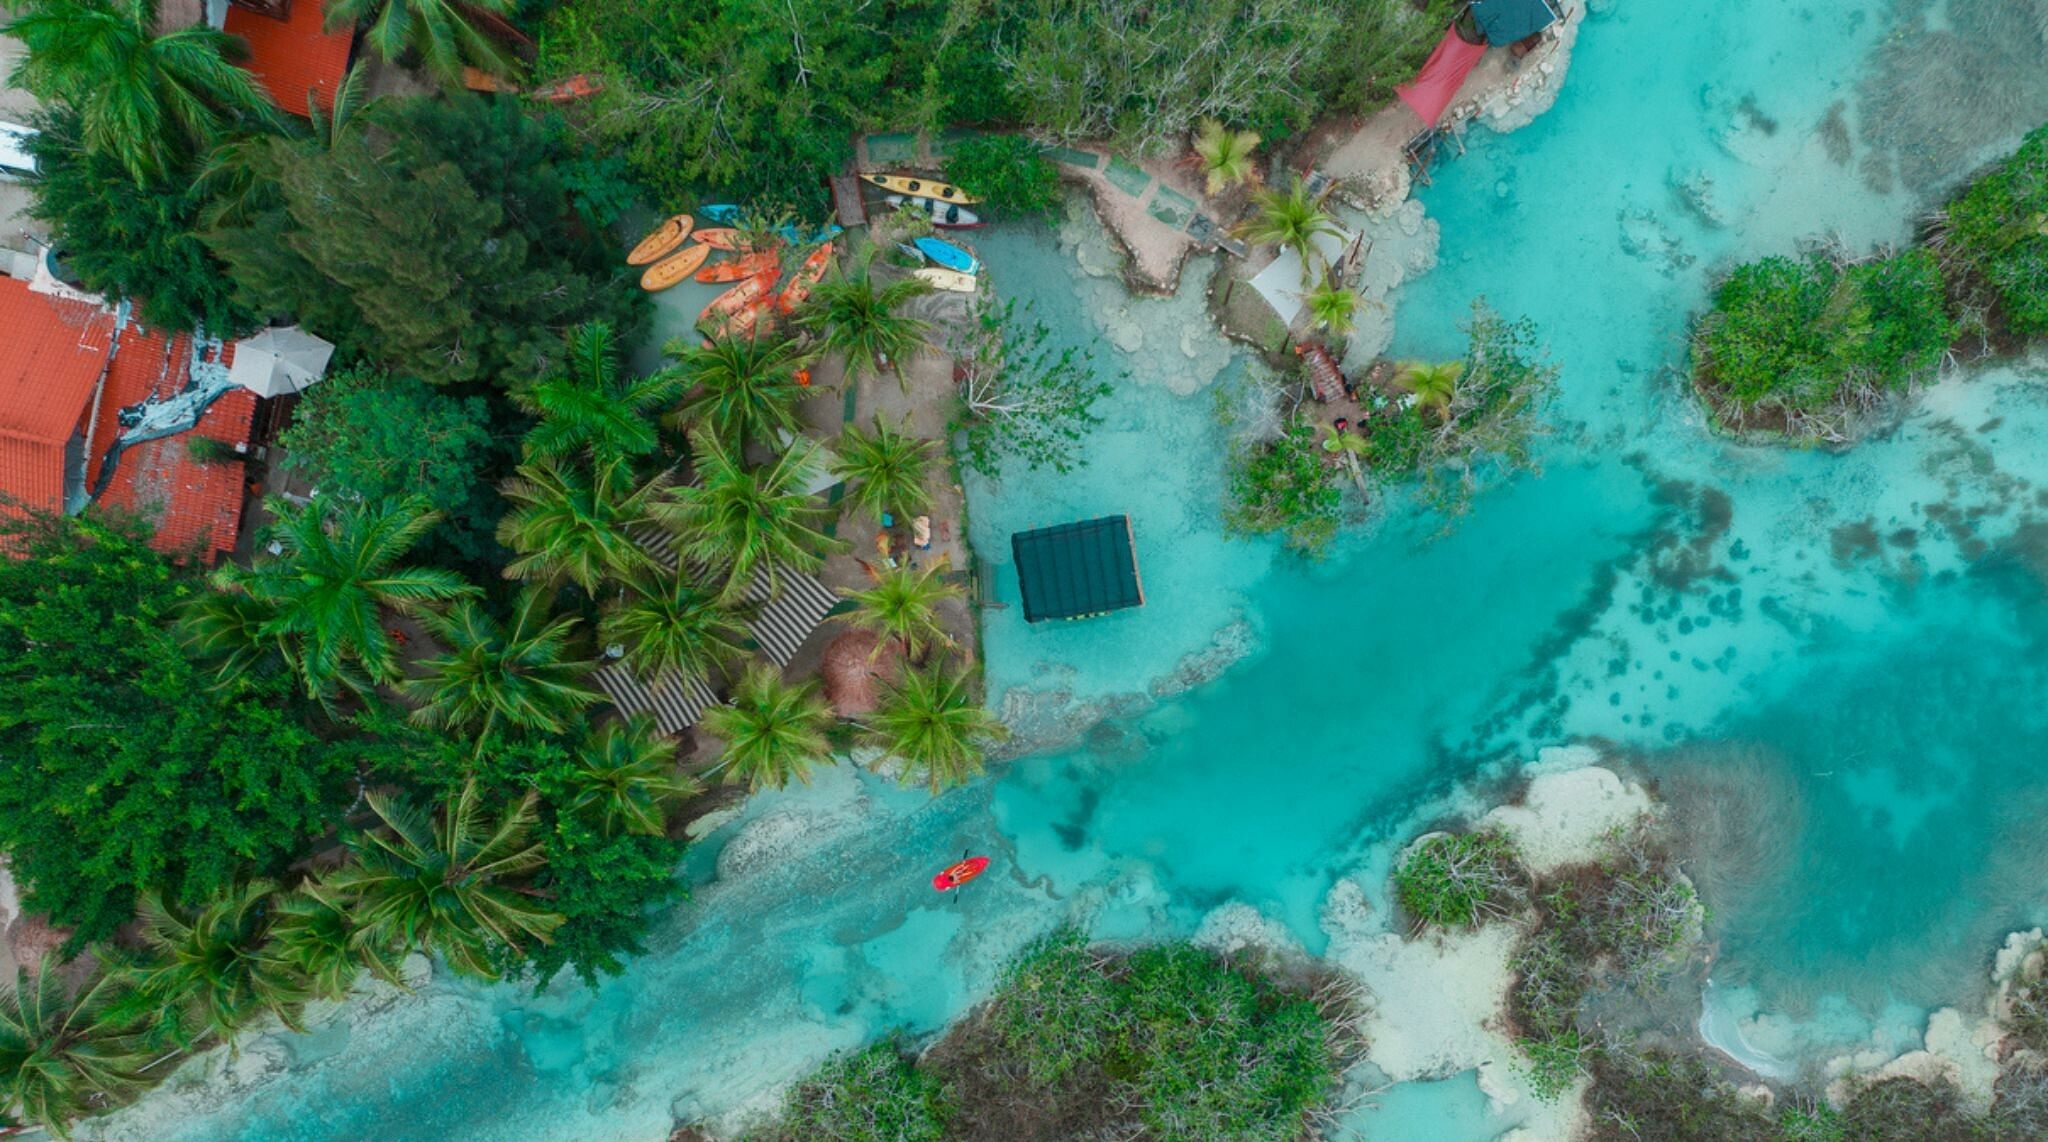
{"type": "Point", "coordinates": [293, 55]}
{"type": "Point", "coordinates": [71, 384]}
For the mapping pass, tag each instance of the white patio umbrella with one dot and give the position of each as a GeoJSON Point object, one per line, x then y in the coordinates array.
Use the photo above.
{"type": "Point", "coordinates": [279, 361]}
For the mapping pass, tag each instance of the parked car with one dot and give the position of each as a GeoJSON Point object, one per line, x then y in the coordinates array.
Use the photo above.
{"type": "Point", "coordinates": [15, 161]}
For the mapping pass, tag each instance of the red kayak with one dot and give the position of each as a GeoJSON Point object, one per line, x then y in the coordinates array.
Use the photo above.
{"type": "Point", "coordinates": [959, 874]}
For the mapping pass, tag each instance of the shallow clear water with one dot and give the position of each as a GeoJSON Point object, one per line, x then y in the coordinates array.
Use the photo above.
{"type": "Point", "coordinates": [1830, 664]}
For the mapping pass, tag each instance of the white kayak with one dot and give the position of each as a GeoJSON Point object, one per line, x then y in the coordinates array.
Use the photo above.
{"type": "Point", "coordinates": [948, 279]}
{"type": "Point", "coordinates": [945, 215]}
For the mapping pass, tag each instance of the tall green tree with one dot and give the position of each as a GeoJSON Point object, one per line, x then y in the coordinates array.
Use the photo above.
{"type": "Point", "coordinates": [903, 605]}
{"type": "Point", "coordinates": [1291, 219]}
{"type": "Point", "coordinates": [317, 936]}
{"type": "Point", "coordinates": [1434, 383]}
{"type": "Point", "coordinates": [453, 882]}
{"type": "Point", "coordinates": [1333, 306]}
{"type": "Point", "coordinates": [443, 35]}
{"type": "Point", "coordinates": [865, 323]}
{"type": "Point", "coordinates": [742, 390]}
{"type": "Point", "coordinates": [885, 468]}
{"type": "Point", "coordinates": [149, 100]}
{"type": "Point", "coordinates": [520, 673]}
{"type": "Point", "coordinates": [774, 731]}
{"type": "Point", "coordinates": [124, 768]}
{"type": "Point", "coordinates": [669, 628]}
{"type": "Point", "coordinates": [66, 1053]}
{"type": "Point", "coordinates": [626, 779]}
{"type": "Point", "coordinates": [336, 571]}
{"type": "Point", "coordinates": [575, 521]}
{"type": "Point", "coordinates": [931, 721]}
{"type": "Point", "coordinates": [372, 436]}
{"type": "Point", "coordinates": [212, 969]}
{"type": "Point", "coordinates": [740, 521]}
{"type": "Point", "coordinates": [450, 243]}
{"type": "Point", "coordinates": [589, 407]}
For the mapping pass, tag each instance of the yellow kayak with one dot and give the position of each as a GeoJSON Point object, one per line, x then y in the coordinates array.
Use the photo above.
{"type": "Point", "coordinates": [663, 239]}
{"type": "Point", "coordinates": [921, 187]}
{"type": "Point", "coordinates": [952, 280]}
{"type": "Point", "coordinates": [673, 269]}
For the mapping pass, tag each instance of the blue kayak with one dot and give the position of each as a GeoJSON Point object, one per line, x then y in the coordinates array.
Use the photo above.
{"type": "Point", "coordinates": [948, 255]}
{"type": "Point", "coordinates": [726, 214]}
{"type": "Point", "coordinates": [723, 213]}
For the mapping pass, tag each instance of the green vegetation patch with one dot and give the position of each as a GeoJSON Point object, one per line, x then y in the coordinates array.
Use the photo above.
{"type": "Point", "coordinates": [1997, 230]}
{"type": "Point", "coordinates": [1460, 880]}
{"type": "Point", "coordinates": [875, 1094]}
{"type": "Point", "coordinates": [1803, 345]}
{"type": "Point", "coordinates": [1010, 173]}
{"type": "Point", "coordinates": [1284, 487]}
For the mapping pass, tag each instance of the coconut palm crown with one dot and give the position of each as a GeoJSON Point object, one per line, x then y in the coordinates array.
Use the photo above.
{"type": "Point", "coordinates": [741, 389]}
{"type": "Point", "coordinates": [1291, 219]}
{"type": "Point", "coordinates": [930, 720]}
{"type": "Point", "coordinates": [626, 778]}
{"type": "Point", "coordinates": [65, 1054]}
{"type": "Point", "coordinates": [774, 732]}
{"type": "Point", "coordinates": [742, 521]}
{"type": "Point", "coordinates": [588, 407]}
{"type": "Point", "coordinates": [575, 521]}
{"type": "Point", "coordinates": [903, 605]}
{"type": "Point", "coordinates": [885, 469]}
{"type": "Point", "coordinates": [518, 672]}
{"type": "Point", "coordinates": [1225, 155]}
{"type": "Point", "coordinates": [865, 322]}
{"type": "Point", "coordinates": [444, 34]}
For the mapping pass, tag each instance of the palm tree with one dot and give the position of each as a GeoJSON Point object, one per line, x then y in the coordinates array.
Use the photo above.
{"type": "Point", "coordinates": [1333, 307]}
{"type": "Point", "coordinates": [318, 936]}
{"type": "Point", "coordinates": [238, 172]}
{"type": "Point", "coordinates": [1291, 219]}
{"type": "Point", "coordinates": [626, 777]}
{"type": "Point", "coordinates": [903, 605]}
{"type": "Point", "coordinates": [65, 1054]}
{"type": "Point", "coordinates": [235, 631]}
{"type": "Point", "coordinates": [213, 966]}
{"type": "Point", "coordinates": [1225, 155]}
{"type": "Point", "coordinates": [865, 324]}
{"type": "Point", "coordinates": [325, 591]}
{"type": "Point", "coordinates": [931, 721]}
{"type": "Point", "coordinates": [747, 521]}
{"type": "Point", "coordinates": [886, 469]}
{"type": "Point", "coordinates": [453, 882]}
{"type": "Point", "coordinates": [520, 674]}
{"type": "Point", "coordinates": [149, 101]}
{"type": "Point", "coordinates": [743, 390]}
{"type": "Point", "coordinates": [576, 522]}
{"type": "Point", "coordinates": [669, 628]}
{"type": "Point", "coordinates": [1434, 385]}
{"type": "Point", "coordinates": [773, 731]}
{"type": "Point", "coordinates": [588, 407]}
{"type": "Point", "coordinates": [444, 33]}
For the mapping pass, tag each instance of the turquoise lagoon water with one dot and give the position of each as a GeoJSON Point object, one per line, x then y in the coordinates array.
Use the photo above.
{"type": "Point", "coordinates": [1829, 664]}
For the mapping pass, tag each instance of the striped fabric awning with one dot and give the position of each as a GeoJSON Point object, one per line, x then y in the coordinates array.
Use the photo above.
{"type": "Point", "coordinates": [783, 618]}
{"type": "Point", "coordinates": [675, 706]}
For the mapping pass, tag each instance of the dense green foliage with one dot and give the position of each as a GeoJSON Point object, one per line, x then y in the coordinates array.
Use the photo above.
{"type": "Point", "coordinates": [1791, 342]}
{"type": "Point", "coordinates": [445, 241]}
{"type": "Point", "coordinates": [1458, 879]}
{"type": "Point", "coordinates": [123, 767]}
{"type": "Point", "coordinates": [368, 435]}
{"type": "Point", "coordinates": [608, 888]}
{"type": "Point", "coordinates": [1283, 486]}
{"type": "Point", "coordinates": [1998, 230]}
{"type": "Point", "coordinates": [1021, 396]}
{"type": "Point", "coordinates": [130, 238]}
{"type": "Point", "coordinates": [1163, 1042]}
{"type": "Point", "coordinates": [1009, 173]}
{"type": "Point", "coordinates": [65, 1051]}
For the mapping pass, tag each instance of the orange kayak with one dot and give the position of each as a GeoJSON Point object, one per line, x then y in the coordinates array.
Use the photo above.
{"type": "Point", "coordinates": [725, 313]}
{"type": "Point", "coordinates": [806, 276]}
{"type": "Point", "coordinates": [723, 238]}
{"type": "Point", "coordinates": [744, 266]}
{"type": "Point", "coordinates": [661, 241]}
{"type": "Point", "coordinates": [959, 874]}
{"type": "Point", "coordinates": [673, 268]}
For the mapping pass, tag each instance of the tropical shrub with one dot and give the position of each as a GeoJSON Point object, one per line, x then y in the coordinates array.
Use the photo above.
{"type": "Point", "coordinates": [1459, 879]}
{"type": "Point", "coordinates": [609, 889]}
{"type": "Point", "coordinates": [1009, 173]}
{"type": "Point", "coordinates": [1997, 229]}
{"type": "Point", "coordinates": [1801, 343]}
{"type": "Point", "coordinates": [875, 1094]}
{"type": "Point", "coordinates": [1282, 486]}
{"type": "Point", "coordinates": [124, 767]}
{"type": "Point", "coordinates": [1020, 396]}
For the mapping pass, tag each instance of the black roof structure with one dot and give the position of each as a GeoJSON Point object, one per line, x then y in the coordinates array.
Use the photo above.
{"type": "Point", "coordinates": [1077, 570]}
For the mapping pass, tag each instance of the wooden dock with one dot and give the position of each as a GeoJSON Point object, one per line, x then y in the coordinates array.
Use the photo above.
{"type": "Point", "coordinates": [847, 202]}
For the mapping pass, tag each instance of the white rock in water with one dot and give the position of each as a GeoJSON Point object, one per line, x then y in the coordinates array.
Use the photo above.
{"type": "Point", "coordinates": [1566, 815]}
{"type": "Point", "coordinates": [1237, 927]}
{"type": "Point", "coordinates": [1347, 913]}
{"type": "Point", "coordinates": [713, 821]}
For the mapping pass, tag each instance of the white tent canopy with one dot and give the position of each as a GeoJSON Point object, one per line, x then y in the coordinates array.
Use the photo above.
{"type": "Point", "coordinates": [279, 361]}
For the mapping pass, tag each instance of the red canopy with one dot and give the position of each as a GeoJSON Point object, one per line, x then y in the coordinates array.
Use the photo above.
{"type": "Point", "coordinates": [1438, 82]}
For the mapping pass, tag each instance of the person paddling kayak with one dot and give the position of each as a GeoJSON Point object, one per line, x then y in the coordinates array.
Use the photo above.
{"type": "Point", "coordinates": [955, 875]}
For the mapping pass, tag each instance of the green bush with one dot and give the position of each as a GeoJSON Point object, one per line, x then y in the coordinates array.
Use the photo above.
{"type": "Point", "coordinates": [1009, 172]}
{"type": "Point", "coordinates": [1998, 228]}
{"type": "Point", "coordinates": [1797, 337]}
{"type": "Point", "coordinates": [1283, 486]}
{"type": "Point", "coordinates": [871, 1095]}
{"type": "Point", "coordinates": [1658, 1096]}
{"type": "Point", "coordinates": [1459, 880]}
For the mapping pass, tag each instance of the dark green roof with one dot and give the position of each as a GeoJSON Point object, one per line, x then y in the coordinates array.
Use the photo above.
{"type": "Point", "coordinates": [1077, 569]}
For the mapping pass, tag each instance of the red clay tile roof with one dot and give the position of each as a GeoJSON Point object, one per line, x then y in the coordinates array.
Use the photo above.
{"type": "Point", "coordinates": [189, 503]}
{"type": "Point", "coordinates": [292, 57]}
{"type": "Point", "coordinates": [51, 355]}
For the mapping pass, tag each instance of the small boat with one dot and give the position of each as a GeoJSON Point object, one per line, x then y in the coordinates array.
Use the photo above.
{"type": "Point", "coordinates": [723, 213]}
{"type": "Point", "coordinates": [795, 237]}
{"type": "Point", "coordinates": [913, 251]}
{"type": "Point", "coordinates": [748, 298]}
{"type": "Point", "coordinates": [959, 874]}
{"type": "Point", "coordinates": [799, 288]}
{"type": "Point", "coordinates": [744, 266]}
{"type": "Point", "coordinates": [921, 187]}
{"type": "Point", "coordinates": [942, 214]}
{"type": "Point", "coordinates": [944, 253]}
{"type": "Point", "coordinates": [673, 268]}
{"type": "Point", "coordinates": [573, 88]}
{"type": "Point", "coordinates": [726, 239]}
{"type": "Point", "coordinates": [661, 241]}
{"type": "Point", "coordinates": [952, 280]}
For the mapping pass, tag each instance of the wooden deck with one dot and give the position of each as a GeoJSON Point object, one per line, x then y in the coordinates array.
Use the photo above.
{"type": "Point", "coordinates": [847, 202]}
